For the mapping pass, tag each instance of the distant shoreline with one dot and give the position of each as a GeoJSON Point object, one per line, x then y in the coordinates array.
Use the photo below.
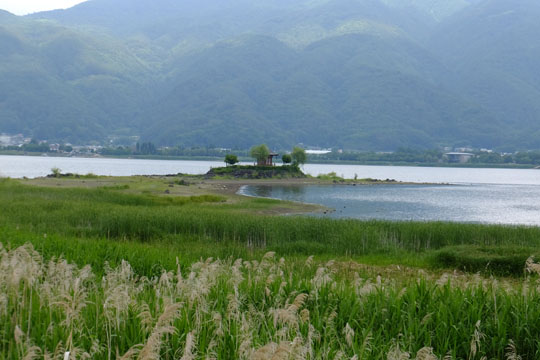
{"type": "Point", "coordinates": [311, 161]}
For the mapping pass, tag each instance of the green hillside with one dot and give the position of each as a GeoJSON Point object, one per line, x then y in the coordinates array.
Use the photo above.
{"type": "Point", "coordinates": [495, 48]}
{"type": "Point", "coordinates": [62, 84]}
{"type": "Point", "coordinates": [266, 91]}
{"type": "Point", "coordinates": [358, 74]}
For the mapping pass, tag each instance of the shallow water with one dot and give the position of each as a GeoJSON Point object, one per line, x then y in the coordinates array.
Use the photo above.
{"type": "Point", "coordinates": [479, 203]}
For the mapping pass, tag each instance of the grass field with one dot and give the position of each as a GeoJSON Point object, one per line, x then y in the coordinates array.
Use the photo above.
{"type": "Point", "coordinates": [125, 270]}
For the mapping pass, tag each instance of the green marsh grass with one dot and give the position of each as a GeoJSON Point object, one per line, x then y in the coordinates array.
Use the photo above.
{"type": "Point", "coordinates": [111, 214]}
{"type": "Point", "coordinates": [102, 212]}
{"type": "Point", "coordinates": [157, 277]}
{"type": "Point", "coordinates": [497, 260]}
{"type": "Point", "coordinates": [208, 222]}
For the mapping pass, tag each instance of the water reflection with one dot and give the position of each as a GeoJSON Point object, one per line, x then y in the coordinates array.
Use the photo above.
{"type": "Point", "coordinates": [281, 192]}
{"type": "Point", "coordinates": [294, 190]}
{"type": "Point", "coordinates": [263, 191]}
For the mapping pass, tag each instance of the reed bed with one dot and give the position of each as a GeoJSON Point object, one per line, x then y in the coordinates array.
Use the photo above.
{"type": "Point", "coordinates": [268, 308]}
{"type": "Point", "coordinates": [109, 214]}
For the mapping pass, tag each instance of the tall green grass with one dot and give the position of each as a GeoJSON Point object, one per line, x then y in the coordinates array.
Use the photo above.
{"type": "Point", "coordinates": [268, 308]}
{"type": "Point", "coordinates": [109, 214]}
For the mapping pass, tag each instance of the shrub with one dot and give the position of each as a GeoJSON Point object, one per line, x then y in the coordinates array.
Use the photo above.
{"type": "Point", "coordinates": [286, 158]}
{"type": "Point", "coordinates": [495, 260]}
{"type": "Point", "coordinates": [56, 172]}
{"type": "Point", "coordinates": [231, 159]}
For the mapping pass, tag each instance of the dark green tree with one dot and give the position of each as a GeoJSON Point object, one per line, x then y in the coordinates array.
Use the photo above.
{"type": "Point", "coordinates": [36, 147]}
{"type": "Point", "coordinates": [286, 158]}
{"type": "Point", "coordinates": [231, 159]}
{"type": "Point", "coordinates": [147, 148]}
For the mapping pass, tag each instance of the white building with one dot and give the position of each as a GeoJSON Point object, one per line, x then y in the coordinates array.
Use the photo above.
{"type": "Point", "coordinates": [459, 157]}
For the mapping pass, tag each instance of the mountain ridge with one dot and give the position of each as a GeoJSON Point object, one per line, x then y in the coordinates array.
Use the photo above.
{"type": "Point", "coordinates": [357, 74]}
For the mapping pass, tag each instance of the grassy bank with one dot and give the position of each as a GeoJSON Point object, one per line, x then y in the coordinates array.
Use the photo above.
{"type": "Point", "coordinates": [137, 281]}
{"type": "Point", "coordinates": [113, 213]}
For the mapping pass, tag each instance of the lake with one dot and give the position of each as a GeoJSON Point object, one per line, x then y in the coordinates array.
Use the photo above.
{"type": "Point", "coordinates": [36, 166]}
{"type": "Point", "coordinates": [504, 196]}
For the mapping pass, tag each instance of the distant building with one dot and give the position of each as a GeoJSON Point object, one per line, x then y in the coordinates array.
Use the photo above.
{"type": "Point", "coordinates": [54, 147]}
{"type": "Point", "coordinates": [13, 140]}
{"type": "Point", "coordinates": [458, 157]}
{"type": "Point", "coordinates": [318, 152]}
{"type": "Point", "coordinates": [5, 140]}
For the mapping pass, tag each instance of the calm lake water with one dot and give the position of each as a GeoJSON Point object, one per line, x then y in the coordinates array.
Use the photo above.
{"type": "Point", "coordinates": [506, 196]}
{"type": "Point", "coordinates": [36, 166]}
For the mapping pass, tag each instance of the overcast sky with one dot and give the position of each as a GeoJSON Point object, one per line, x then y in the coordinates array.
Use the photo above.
{"type": "Point", "coordinates": [23, 7]}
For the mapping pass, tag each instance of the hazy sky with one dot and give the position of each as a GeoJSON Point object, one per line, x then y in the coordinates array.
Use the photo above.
{"type": "Point", "coordinates": [23, 7]}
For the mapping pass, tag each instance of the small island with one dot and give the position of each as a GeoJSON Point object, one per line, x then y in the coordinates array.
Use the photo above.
{"type": "Point", "coordinates": [265, 166]}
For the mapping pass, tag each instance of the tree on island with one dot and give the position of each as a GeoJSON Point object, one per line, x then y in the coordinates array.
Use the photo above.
{"type": "Point", "coordinates": [231, 159]}
{"type": "Point", "coordinates": [260, 153]}
{"type": "Point", "coordinates": [286, 158]}
{"type": "Point", "coordinates": [299, 156]}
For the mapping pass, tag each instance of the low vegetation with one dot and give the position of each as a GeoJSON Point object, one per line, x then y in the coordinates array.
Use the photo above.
{"type": "Point", "coordinates": [105, 273]}
{"type": "Point", "coordinates": [504, 260]}
{"type": "Point", "coordinates": [256, 172]}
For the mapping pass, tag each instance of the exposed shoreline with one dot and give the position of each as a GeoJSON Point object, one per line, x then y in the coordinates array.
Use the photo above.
{"type": "Point", "coordinates": [232, 186]}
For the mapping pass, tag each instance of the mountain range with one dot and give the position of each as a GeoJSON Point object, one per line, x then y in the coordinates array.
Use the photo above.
{"type": "Point", "coordinates": [354, 74]}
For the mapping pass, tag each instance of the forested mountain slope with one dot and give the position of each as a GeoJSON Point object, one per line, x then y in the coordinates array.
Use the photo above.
{"type": "Point", "coordinates": [359, 74]}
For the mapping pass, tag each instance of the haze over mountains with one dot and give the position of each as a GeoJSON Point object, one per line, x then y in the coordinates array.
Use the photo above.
{"type": "Point", "coordinates": [357, 74]}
